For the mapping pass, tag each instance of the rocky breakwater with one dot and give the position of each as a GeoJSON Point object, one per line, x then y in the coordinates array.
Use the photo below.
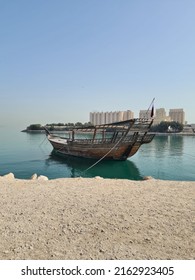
{"type": "Point", "coordinates": [10, 176]}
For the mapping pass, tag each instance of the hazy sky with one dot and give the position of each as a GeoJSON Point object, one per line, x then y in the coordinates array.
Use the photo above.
{"type": "Point", "coordinates": [61, 59]}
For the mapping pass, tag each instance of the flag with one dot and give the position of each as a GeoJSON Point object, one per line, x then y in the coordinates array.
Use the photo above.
{"type": "Point", "coordinates": [152, 112]}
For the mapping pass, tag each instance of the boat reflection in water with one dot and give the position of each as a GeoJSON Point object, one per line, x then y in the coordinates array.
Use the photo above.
{"type": "Point", "coordinates": [77, 167]}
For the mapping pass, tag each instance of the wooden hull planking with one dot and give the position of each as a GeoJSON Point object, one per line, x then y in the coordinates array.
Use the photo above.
{"type": "Point", "coordinates": [113, 151]}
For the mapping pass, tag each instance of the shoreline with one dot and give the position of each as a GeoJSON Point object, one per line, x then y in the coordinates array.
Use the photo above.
{"type": "Point", "coordinates": [156, 133]}
{"type": "Point", "coordinates": [96, 218]}
{"type": "Point", "coordinates": [67, 130]}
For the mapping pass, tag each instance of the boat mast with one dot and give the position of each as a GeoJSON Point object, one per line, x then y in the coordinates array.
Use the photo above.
{"type": "Point", "coordinates": [73, 133]}
{"type": "Point", "coordinates": [94, 134]}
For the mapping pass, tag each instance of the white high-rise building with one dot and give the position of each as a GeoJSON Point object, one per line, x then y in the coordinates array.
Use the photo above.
{"type": "Point", "coordinates": [114, 117]}
{"type": "Point", "coordinates": [144, 114]}
{"type": "Point", "coordinates": [110, 117]}
{"type": "Point", "coordinates": [177, 115]}
{"type": "Point", "coordinates": [97, 118]}
{"type": "Point", "coordinates": [160, 116]}
{"type": "Point", "coordinates": [106, 117]}
{"type": "Point", "coordinates": [128, 115]}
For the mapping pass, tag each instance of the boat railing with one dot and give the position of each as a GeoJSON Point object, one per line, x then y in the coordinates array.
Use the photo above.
{"type": "Point", "coordinates": [128, 139]}
{"type": "Point", "coordinates": [148, 138]}
{"type": "Point", "coordinates": [92, 141]}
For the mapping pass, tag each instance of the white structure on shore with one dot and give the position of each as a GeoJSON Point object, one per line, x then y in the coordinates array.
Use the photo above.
{"type": "Point", "coordinates": [97, 118]}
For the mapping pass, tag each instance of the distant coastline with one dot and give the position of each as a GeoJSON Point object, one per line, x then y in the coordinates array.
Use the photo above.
{"type": "Point", "coordinates": [59, 130]}
{"type": "Point", "coordinates": [43, 131]}
{"type": "Point", "coordinates": [164, 128]}
{"type": "Point", "coordinates": [175, 133]}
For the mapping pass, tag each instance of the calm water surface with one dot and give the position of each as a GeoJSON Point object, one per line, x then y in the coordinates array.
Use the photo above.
{"type": "Point", "coordinates": [166, 157]}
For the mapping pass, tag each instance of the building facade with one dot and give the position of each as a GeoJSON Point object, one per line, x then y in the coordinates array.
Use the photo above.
{"type": "Point", "coordinates": [177, 115]}
{"type": "Point", "coordinates": [144, 114]}
{"type": "Point", "coordinates": [160, 116]}
{"type": "Point", "coordinates": [97, 118]}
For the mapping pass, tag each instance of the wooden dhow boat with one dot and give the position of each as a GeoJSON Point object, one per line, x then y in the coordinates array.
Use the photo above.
{"type": "Point", "coordinates": [112, 141]}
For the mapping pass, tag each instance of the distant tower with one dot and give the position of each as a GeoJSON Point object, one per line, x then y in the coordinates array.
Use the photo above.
{"type": "Point", "coordinates": [144, 114]}
{"type": "Point", "coordinates": [160, 116]}
{"type": "Point", "coordinates": [177, 115]}
{"type": "Point", "coordinates": [97, 118]}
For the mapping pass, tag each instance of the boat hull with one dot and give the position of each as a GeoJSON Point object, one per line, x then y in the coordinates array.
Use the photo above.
{"type": "Point", "coordinates": [107, 151]}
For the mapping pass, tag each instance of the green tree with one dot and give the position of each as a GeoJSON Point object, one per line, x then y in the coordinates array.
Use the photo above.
{"type": "Point", "coordinates": [88, 124]}
{"type": "Point", "coordinates": [167, 127]}
{"type": "Point", "coordinates": [177, 127]}
{"type": "Point", "coordinates": [78, 124]}
{"type": "Point", "coordinates": [34, 127]}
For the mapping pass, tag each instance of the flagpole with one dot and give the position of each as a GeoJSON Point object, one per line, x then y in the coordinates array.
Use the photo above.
{"type": "Point", "coordinates": [151, 105]}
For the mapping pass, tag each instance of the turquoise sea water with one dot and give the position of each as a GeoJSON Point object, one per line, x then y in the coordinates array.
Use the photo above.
{"type": "Point", "coordinates": [166, 157]}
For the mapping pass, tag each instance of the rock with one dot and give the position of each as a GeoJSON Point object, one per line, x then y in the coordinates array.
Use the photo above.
{"type": "Point", "coordinates": [6, 252]}
{"type": "Point", "coordinates": [42, 178]}
{"type": "Point", "coordinates": [9, 176]}
{"type": "Point", "coordinates": [148, 178]}
{"type": "Point", "coordinates": [98, 177]}
{"type": "Point", "coordinates": [33, 177]}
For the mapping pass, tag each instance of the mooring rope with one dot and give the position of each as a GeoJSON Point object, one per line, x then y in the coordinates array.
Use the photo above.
{"type": "Point", "coordinates": [107, 152]}
{"type": "Point", "coordinates": [43, 141]}
{"type": "Point", "coordinates": [103, 156]}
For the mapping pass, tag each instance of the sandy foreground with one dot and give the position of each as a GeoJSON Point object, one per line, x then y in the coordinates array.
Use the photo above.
{"type": "Point", "coordinates": [96, 219]}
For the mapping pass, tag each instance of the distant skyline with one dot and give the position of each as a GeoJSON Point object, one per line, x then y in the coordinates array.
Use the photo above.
{"type": "Point", "coordinates": [61, 60]}
{"type": "Point", "coordinates": [162, 115]}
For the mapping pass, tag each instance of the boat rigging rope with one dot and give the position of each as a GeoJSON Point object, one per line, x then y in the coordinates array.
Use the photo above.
{"type": "Point", "coordinates": [43, 141]}
{"type": "Point", "coordinates": [114, 145]}
{"type": "Point", "coordinates": [103, 156]}
{"type": "Point", "coordinates": [107, 152]}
